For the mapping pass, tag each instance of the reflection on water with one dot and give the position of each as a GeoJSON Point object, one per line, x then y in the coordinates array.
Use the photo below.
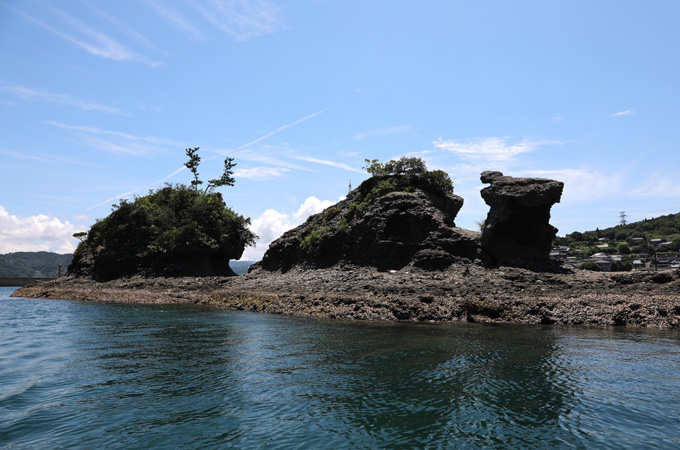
{"type": "Point", "coordinates": [82, 375]}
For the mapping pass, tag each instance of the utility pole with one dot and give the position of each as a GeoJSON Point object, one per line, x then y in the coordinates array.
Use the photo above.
{"type": "Point", "coordinates": [623, 216]}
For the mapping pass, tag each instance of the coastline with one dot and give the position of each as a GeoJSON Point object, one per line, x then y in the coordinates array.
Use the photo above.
{"type": "Point", "coordinates": [463, 293]}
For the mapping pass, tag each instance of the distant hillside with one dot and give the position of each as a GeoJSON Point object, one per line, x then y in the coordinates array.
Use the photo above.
{"type": "Point", "coordinates": [240, 267]}
{"type": "Point", "coordinates": [637, 235]}
{"type": "Point", "coordinates": [33, 264]}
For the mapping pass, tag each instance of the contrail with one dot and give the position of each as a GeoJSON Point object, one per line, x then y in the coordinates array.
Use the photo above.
{"type": "Point", "coordinates": [126, 194]}
{"type": "Point", "coordinates": [262, 138]}
{"type": "Point", "coordinates": [283, 127]}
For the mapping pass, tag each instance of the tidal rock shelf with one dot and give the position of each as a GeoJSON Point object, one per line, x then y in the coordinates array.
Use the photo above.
{"type": "Point", "coordinates": [462, 293]}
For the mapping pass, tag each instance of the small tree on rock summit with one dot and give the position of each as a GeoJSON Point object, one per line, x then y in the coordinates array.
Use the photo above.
{"type": "Point", "coordinates": [227, 178]}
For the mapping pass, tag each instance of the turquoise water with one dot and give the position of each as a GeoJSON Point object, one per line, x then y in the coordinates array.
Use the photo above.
{"type": "Point", "coordinates": [82, 375]}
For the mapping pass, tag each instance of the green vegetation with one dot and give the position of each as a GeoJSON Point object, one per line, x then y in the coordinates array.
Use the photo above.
{"type": "Point", "coordinates": [646, 241]}
{"type": "Point", "coordinates": [147, 232]}
{"type": "Point", "coordinates": [630, 239]}
{"type": "Point", "coordinates": [169, 219]}
{"type": "Point", "coordinates": [415, 171]}
{"type": "Point", "coordinates": [590, 265]}
{"type": "Point", "coordinates": [33, 264]}
{"type": "Point", "coordinates": [402, 175]}
{"type": "Point", "coordinates": [311, 238]}
{"type": "Point", "coordinates": [227, 178]}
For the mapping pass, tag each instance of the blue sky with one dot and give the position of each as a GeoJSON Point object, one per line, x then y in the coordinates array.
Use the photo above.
{"type": "Point", "coordinates": [99, 99]}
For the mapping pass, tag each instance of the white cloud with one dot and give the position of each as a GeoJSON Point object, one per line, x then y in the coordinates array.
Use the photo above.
{"type": "Point", "coordinates": [243, 19]}
{"type": "Point", "coordinates": [489, 149]}
{"type": "Point", "coordinates": [35, 233]}
{"type": "Point", "coordinates": [272, 224]}
{"type": "Point", "coordinates": [628, 112]}
{"type": "Point", "coordinates": [388, 131]}
{"type": "Point", "coordinates": [260, 173]}
{"type": "Point", "coordinates": [57, 99]}
{"type": "Point", "coordinates": [312, 205]}
{"type": "Point", "coordinates": [268, 227]}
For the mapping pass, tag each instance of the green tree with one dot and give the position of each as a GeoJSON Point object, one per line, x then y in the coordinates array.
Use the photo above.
{"type": "Point", "coordinates": [175, 230]}
{"type": "Point", "coordinates": [590, 265]}
{"type": "Point", "coordinates": [227, 178]}
{"type": "Point", "coordinates": [192, 165]}
{"type": "Point", "coordinates": [81, 235]}
{"type": "Point", "coordinates": [375, 167]}
{"type": "Point", "coordinates": [415, 171]}
{"type": "Point", "coordinates": [624, 249]}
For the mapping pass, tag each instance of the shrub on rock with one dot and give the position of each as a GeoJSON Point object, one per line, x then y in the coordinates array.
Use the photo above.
{"type": "Point", "coordinates": [174, 231]}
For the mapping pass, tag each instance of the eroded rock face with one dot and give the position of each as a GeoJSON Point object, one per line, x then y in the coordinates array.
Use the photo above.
{"type": "Point", "coordinates": [196, 262]}
{"type": "Point", "coordinates": [407, 225]}
{"type": "Point", "coordinates": [517, 230]}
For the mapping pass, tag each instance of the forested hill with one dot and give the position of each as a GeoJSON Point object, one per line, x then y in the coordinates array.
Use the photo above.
{"type": "Point", "coordinates": [666, 228]}
{"type": "Point", "coordinates": [33, 264]}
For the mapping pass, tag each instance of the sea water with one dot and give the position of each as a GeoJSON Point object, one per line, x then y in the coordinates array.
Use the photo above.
{"type": "Point", "coordinates": [82, 375]}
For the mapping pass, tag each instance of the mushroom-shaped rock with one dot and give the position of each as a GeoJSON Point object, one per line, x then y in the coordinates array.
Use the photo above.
{"type": "Point", "coordinates": [517, 231]}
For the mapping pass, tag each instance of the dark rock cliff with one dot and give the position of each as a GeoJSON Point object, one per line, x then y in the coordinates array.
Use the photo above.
{"type": "Point", "coordinates": [388, 222]}
{"type": "Point", "coordinates": [516, 230]}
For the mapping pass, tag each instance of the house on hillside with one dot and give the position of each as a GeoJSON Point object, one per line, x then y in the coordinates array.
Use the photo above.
{"type": "Point", "coordinates": [560, 253]}
{"type": "Point", "coordinates": [603, 260]}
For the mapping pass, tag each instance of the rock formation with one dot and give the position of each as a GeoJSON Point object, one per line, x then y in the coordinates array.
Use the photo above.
{"type": "Point", "coordinates": [174, 231]}
{"type": "Point", "coordinates": [516, 231]}
{"type": "Point", "coordinates": [388, 222]}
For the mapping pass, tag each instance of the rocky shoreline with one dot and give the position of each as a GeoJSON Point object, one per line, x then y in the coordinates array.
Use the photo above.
{"type": "Point", "coordinates": [461, 293]}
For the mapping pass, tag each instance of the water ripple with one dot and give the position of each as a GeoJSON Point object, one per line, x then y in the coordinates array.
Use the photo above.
{"type": "Point", "coordinates": [80, 375]}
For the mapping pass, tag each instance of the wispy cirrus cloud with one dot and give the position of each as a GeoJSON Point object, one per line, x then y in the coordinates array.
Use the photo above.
{"type": "Point", "coordinates": [260, 173]}
{"type": "Point", "coordinates": [177, 19]}
{"type": "Point", "coordinates": [387, 131]}
{"type": "Point", "coordinates": [86, 38]}
{"type": "Point", "coordinates": [118, 142]}
{"type": "Point", "coordinates": [126, 29]}
{"type": "Point", "coordinates": [662, 184]}
{"type": "Point", "coordinates": [260, 156]}
{"type": "Point", "coordinates": [243, 19]}
{"type": "Point", "coordinates": [25, 156]}
{"type": "Point", "coordinates": [489, 149]}
{"type": "Point", "coordinates": [26, 93]}
{"type": "Point", "coordinates": [127, 136]}
{"type": "Point", "coordinates": [627, 112]}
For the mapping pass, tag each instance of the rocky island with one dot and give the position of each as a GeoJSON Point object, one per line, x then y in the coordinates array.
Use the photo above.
{"type": "Point", "coordinates": [391, 251]}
